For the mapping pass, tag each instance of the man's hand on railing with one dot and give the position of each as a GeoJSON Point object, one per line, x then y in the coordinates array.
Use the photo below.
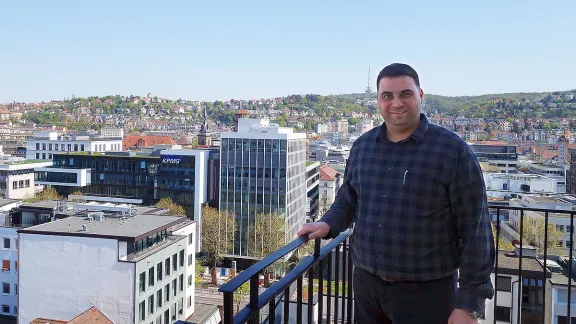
{"type": "Point", "coordinates": [314, 230]}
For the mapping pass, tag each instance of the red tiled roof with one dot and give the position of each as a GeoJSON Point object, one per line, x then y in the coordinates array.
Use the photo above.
{"type": "Point", "coordinates": [242, 112]}
{"type": "Point", "coordinates": [327, 173]}
{"type": "Point", "coordinates": [145, 141]}
{"type": "Point", "coordinates": [41, 320]}
{"type": "Point", "coordinates": [91, 316]}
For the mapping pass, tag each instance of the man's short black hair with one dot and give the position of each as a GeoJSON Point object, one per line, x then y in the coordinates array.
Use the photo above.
{"type": "Point", "coordinates": [397, 70]}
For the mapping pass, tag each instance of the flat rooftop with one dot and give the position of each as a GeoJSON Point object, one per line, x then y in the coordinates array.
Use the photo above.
{"type": "Point", "coordinates": [509, 264]}
{"type": "Point", "coordinates": [123, 228]}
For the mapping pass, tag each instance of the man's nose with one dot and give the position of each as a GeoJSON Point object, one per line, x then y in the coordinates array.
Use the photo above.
{"type": "Point", "coordinates": [396, 103]}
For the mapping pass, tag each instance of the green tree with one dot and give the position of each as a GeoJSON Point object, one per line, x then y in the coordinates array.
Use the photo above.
{"type": "Point", "coordinates": [173, 208]}
{"type": "Point", "coordinates": [46, 195]}
{"type": "Point", "coordinates": [267, 234]}
{"type": "Point", "coordinates": [217, 231]}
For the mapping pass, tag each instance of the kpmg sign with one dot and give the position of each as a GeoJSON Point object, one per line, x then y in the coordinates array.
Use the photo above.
{"type": "Point", "coordinates": [171, 159]}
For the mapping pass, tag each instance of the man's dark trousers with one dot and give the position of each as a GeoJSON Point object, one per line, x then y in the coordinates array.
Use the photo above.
{"type": "Point", "coordinates": [379, 301]}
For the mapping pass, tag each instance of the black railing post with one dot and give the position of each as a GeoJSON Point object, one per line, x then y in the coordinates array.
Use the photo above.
{"type": "Point", "coordinates": [520, 282]}
{"type": "Point", "coordinates": [320, 290]}
{"type": "Point", "coordinates": [496, 266]}
{"type": "Point", "coordinates": [272, 311]}
{"type": "Point", "coordinates": [311, 295]}
{"type": "Point", "coordinates": [228, 308]}
{"type": "Point", "coordinates": [253, 303]}
{"type": "Point", "coordinates": [336, 282]}
{"type": "Point", "coordinates": [329, 289]}
{"type": "Point", "coordinates": [570, 269]}
{"type": "Point", "coordinates": [287, 305]}
{"type": "Point", "coordinates": [299, 300]}
{"type": "Point", "coordinates": [349, 286]}
{"type": "Point", "coordinates": [545, 268]}
{"type": "Point", "coordinates": [344, 277]}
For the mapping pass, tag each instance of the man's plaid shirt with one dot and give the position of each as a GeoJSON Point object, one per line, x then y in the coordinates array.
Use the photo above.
{"type": "Point", "coordinates": [420, 211]}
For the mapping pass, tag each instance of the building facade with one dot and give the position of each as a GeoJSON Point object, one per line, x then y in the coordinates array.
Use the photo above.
{"type": "Point", "coordinates": [17, 178]}
{"type": "Point", "coordinates": [312, 190]}
{"type": "Point", "coordinates": [504, 157]}
{"type": "Point", "coordinates": [263, 170]}
{"type": "Point", "coordinates": [45, 144]}
{"type": "Point", "coordinates": [132, 267]}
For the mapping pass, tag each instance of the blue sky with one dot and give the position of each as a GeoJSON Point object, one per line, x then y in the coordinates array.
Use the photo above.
{"type": "Point", "coordinates": [208, 50]}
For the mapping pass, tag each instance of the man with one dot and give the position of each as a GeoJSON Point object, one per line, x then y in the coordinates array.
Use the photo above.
{"type": "Point", "coordinates": [417, 197]}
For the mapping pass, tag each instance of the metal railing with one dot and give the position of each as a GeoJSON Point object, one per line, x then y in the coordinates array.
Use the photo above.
{"type": "Point", "coordinates": [337, 305]}
{"type": "Point", "coordinates": [280, 291]}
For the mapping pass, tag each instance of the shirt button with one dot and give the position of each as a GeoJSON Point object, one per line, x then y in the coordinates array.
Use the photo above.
{"type": "Point", "coordinates": [384, 196]}
{"type": "Point", "coordinates": [379, 255]}
{"type": "Point", "coordinates": [389, 169]}
{"type": "Point", "coordinates": [379, 225]}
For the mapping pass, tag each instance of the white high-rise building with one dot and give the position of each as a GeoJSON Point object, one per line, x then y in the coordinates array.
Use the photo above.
{"type": "Point", "coordinates": [45, 144]}
{"type": "Point", "coordinates": [135, 268]}
{"type": "Point", "coordinates": [263, 170]}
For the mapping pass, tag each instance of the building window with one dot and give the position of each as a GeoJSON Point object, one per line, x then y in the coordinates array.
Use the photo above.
{"type": "Point", "coordinates": [174, 312]}
{"type": "Point", "coordinates": [141, 311]}
{"type": "Point", "coordinates": [49, 147]}
{"type": "Point", "coordinates": [174, 287]}
{"type": "Point", "coordinates": [38, 146]}
{"type": "Point", "coordinates": [151, 304]}
{"type": "Point", "coordinates": [181, 282]}
{"type": "Point", "coordinates": [190, 259]}
{"type": "Point", "coordinates": [175, 262]}
{"type": "Point", "coordinates": [6, 243]}
{"type": "Point", "coordinates": [15, 310]}
{"type": "Point", "coordinates": [16, 289]}
{"type": "Point", "coordinates": [189, 301]}
{"type": "Point", "coordinates": [14, 184]}
{"type": "Point", "coordinates": [82, 147]}
{"type": "Point", "coordinates": [159, 272]}
{"type": "Point", "coordinates": [181, 258]}
{"type": "Point", "coordinates": [159, 319]}
{"type": "Point", "coordinates": [167, 292]}
{"type": "Point", "coordinates": [37, 156]}
{"type": "Point", "coordinates": [55, 147]}
{"type": "Point", "coordinates": [20, 184]}
{"type": "Point", "coordinates": [5, 309]}
{"type": "Point", "coordinates": [5, 288]}
{"type": "Point", "coordinates": [190, 280]}
{"type": "Point", "coordinates": [159, 298]}
{"type": "Point", "coordinates": [27, 184]}
{"type": "Point", "coordinates": [151, 277]}
{"type": "Point", "coordinates": [5, 265]}
{"type": "Point", "coordinates": [181, 306]}
{"type": "Point", "coordinates": [142, 284]}
{"type": "Point", "coordinates": [503, 314]}
{"type": "Point", "coordinates": [190, 238]}
{"type": "Point", "coordinates": [44, 146]}
{"type": "Point", "coordinates": [504, 283]}
{"type": "Point", "coordinates": [167, 266]}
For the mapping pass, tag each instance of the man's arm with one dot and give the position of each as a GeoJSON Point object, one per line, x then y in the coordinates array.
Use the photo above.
{"type": "Point", "coordinates": [341, 212]}
{"type": "Point", "coordinates": [469, 207]}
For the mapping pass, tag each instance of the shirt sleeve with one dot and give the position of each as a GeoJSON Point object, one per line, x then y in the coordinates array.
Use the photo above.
{"type": "Point", "coordinates": [341, 213]}
{"type": "Point", "coordinates": [469, 206]}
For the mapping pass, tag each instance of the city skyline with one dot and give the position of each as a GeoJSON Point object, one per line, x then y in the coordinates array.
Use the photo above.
{"type": "Point", "coordinates": [208, 52]}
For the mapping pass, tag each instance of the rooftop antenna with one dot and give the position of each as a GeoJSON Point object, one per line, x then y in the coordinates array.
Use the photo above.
{"type": "Point", "coordinates": [368, 88]}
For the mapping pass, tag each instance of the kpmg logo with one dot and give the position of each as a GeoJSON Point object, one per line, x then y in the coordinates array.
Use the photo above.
{"type": "Point", "coordinates": [171, 159]}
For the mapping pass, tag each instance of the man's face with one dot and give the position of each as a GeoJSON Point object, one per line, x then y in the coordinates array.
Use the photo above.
{"type": "Point", "coordinates": [399, 100]}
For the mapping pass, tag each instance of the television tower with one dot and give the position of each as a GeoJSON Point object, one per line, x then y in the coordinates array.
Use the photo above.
{"type": "Point", "coordinates": [368, 88]}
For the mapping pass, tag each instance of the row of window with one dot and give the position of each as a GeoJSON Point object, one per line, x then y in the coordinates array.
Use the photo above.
{"type": "Point", "coordinates": [167, 318]}
{"type": "Point", "coordinates": [20, 184]}
{"type": "Point", "coordinates": [159, 275]}
{"type": "Point", "coordinates": [68, 147]}
{"type": "Point", "coordinates": [155, 301]}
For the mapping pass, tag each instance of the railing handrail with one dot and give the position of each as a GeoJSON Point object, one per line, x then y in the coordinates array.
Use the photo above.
{"type": "Point", "coordinates": [522, 208]}
{"type": "Point", "coordinates": [258, 301]}
{"type": "Point", "coordinates": [259, 266]}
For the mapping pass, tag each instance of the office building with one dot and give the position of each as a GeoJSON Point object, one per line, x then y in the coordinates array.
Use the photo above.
{"type": "Point", "coordinates": [133, 267]}
{"type": "Point", "coordinates": [45, 144]}
{"type": "Point", "coordinates": [9, 256]}
{"type": "Point", "coordinates": [263, 170]}
{"type": "Point", "coordinates": [504, 157]}
{"type": "Point", "coordinates": [17, 177]}
{"type": "Point", "coordinates": [312, 190]}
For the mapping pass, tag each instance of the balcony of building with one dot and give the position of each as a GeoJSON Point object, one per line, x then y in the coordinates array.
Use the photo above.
{"type": "Point", "coordinates": [531, 281]}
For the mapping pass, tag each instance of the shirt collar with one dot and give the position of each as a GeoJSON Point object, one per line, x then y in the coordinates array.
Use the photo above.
{"type": "Point", "coordinates": [417, 135]}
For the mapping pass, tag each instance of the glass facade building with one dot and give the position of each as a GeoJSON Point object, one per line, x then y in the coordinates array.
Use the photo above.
{"type": "Point", "coordinates": [263, 172]}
